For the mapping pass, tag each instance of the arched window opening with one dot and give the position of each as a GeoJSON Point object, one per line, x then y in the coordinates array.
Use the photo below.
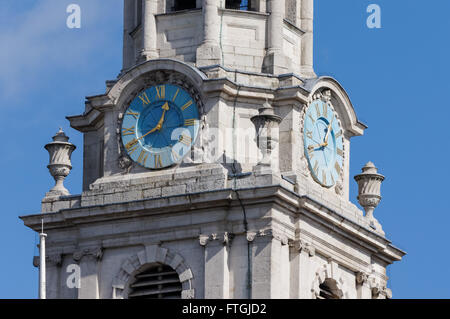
{"type": "Point", "coordinates": [157, 281]}
{"type": "Point", "coordinates": [329, 290]}
{"type": "Point", "coordinates": [244, 5]}
{"type": "Point", "coordinates": [184, 5]}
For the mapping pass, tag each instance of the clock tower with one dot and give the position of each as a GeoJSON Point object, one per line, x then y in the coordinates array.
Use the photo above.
{"type": "Point", "coordinates": [216, 165]}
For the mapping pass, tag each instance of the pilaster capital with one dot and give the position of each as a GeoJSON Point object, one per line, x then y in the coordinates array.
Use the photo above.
{"type": "Point", "coordinates": [54, 259]}
{"type": "Point", "coordinates": [251, 236]}
{"type": "Point", "coordinates": [226, 238]}
{"type": "Point", "coordinates": [303, 246]}
{"type": "Point", "coordinates": [93, 252]}
{"type": "Point", "coordinates": [362, 278]}
{"type": "Point", "coordinates": [269, 234]}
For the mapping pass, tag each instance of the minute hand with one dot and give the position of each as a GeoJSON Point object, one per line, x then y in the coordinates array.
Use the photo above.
{"type": "Point", "coordinates": [158, 126]}
{"type": "Point", "coordinates": [328, 131]}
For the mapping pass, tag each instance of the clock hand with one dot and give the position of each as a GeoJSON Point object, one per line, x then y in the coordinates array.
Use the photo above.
{"type": "Point", "coordinates": [328, 130]}
{"type": "Point", "coordinates": [311, 147]}
{"type": "Point", "coordinates": [158, 127]}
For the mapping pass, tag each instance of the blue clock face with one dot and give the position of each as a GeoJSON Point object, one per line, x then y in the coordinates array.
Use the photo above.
{"type": "Point", "coordinates": [323, 141]}
{"type": "Point", "coordinates": [160, 126]}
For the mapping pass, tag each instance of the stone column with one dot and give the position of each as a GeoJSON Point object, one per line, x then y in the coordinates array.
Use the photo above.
{"type": "Point", "coordinates": [217, 273]}
{"type": "Point", "coordinates": [149, 33]}
{"type": "Point", "coordinates": [209, 52]}
{"type": "Point", "coordinates": [307, 19]}
{"type": "Point", "coordinates": [275, 61]}
{"type": "Point", "coordinates": [128, 26]}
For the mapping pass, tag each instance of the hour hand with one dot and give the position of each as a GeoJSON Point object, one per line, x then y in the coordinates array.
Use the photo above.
{"type": "Point", "coordinates": [311, 147]}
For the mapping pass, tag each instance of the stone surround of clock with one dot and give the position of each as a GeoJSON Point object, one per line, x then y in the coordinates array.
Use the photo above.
{"type": "Point", "coordinates": [228, 228]}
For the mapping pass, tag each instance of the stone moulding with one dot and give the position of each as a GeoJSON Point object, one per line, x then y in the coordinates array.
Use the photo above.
{"type": "Point", "coordinates": [153, 254]}
{"type": "Point", "coordinates": [293, 202]}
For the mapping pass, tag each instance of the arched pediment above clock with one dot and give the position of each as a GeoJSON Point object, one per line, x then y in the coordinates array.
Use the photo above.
{"type": "Point", "coordinates": [341, 102]}
{"type": "Point", "coordinates": [160, 69]}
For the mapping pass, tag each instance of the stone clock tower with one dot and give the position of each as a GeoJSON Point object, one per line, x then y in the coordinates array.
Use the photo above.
{"type": "Point", "coordinates": [216, 165]}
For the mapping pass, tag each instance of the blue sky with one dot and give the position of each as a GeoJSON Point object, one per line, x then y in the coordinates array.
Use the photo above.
{"type": "Point", "coordinates": [396, 77]}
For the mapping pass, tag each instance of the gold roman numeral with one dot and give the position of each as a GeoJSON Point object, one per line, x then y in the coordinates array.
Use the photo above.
{"type": "Point", "coordinates": [309, 134]}
{"type": "Point", "coordinates": [316, 168]}
{"type": "Point", "coordinates": [158, 161]}
{"type": "Point", "coordinates": [186, 140]}
{"type": "Point", "coordinates": [338, 134]}
{"type": "Point", "coordinates": [324, 177]}
{"type": "Point", "coordinates": [127, 131]}
{"type": "Point", "coordinates": [317, 110]}
{"type": "Point", "coordinates": [337, 168]}
{"type": "Point", "coordinates": [144, 98]}
{"type": "Point", "coordinates": [131, 146]}
{"type": "Point", "coordinates": [340, 152]}
{"type": "Point", "coordinates": [311, 152]}
{"type": "Point", "coordinates": [142, 159]}
{"type": "Point", "coordinates": [175, 156]}
{"type": "Point", "coordinates": [135, 115]}
{"type": "Point", "coordinates": [313, 120]}
{"type": "Point", "coordinates": [161, 92]}
{"type": "Point", "coordinates": [325, 110]}
{"type": "Point", "coordinates": [184, 107]}
{"type": "Point", "coordinates": [190, 122]}
{"type": "Point", "coordinates": [175, 96]}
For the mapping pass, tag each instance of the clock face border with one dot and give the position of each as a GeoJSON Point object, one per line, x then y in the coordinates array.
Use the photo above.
{"type": "Point", "coordinates": [325, 174]}
{"type": "Point", "coordinates": [149, 98]}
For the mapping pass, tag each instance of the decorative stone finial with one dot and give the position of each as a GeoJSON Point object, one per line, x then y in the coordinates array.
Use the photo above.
{"type": "Point", "coordinates": [369, 195]}
{"type": "Point", "coordinates": [60, 151]}
{"type": "Point", "coordinates": [266, 124]}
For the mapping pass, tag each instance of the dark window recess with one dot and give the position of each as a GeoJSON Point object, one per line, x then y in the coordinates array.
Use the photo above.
{"type": "Point", "coordinates": [239, 5]}
{"type": "Point", "coordinates": [139, 9]}
{"type": "Point", "coordinates": [184, 5]}
{"type": "Point", "coordinates": [156, 282]}
{"type": "Point", "coordinates": [329, 290]}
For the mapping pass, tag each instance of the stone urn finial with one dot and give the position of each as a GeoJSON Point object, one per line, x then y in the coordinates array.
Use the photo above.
{"type": "Point", "coordinates": [369, 195]}
{"type": "Point", "coordinates": [267, 136]}
{"type": "Point", "coordinates": [60, 151]}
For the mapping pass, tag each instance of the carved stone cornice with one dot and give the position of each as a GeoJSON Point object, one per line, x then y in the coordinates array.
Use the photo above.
{"type": "Point", "coordinates": [94, 252]}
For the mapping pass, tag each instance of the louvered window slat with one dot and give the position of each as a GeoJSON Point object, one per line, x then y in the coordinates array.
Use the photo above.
{"type": "Point", "coordinates": [158, 281]}
{"type": "Point", "coordinates": [155, 282]}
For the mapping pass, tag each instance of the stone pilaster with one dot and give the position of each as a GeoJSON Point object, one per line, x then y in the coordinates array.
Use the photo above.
{"type": "Point", "coordinates": [53, 273]}
{"type": "Point", "coordinates": [149, 49]}
{"type": "Point", "coordinates": [275, 60]}
{"type": "Point", "coordinates": [217, 272]}
{"type": "Point", "coordinates": [88, 260]}
{"type": "Point", "coordinates": [363, 290]}
{"type": "Point", "coordinates": [269, 256]}
{"type": "Point", "coordinates": [209, 52]}
{"type": "Point", "coordinates": [301, 272]}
